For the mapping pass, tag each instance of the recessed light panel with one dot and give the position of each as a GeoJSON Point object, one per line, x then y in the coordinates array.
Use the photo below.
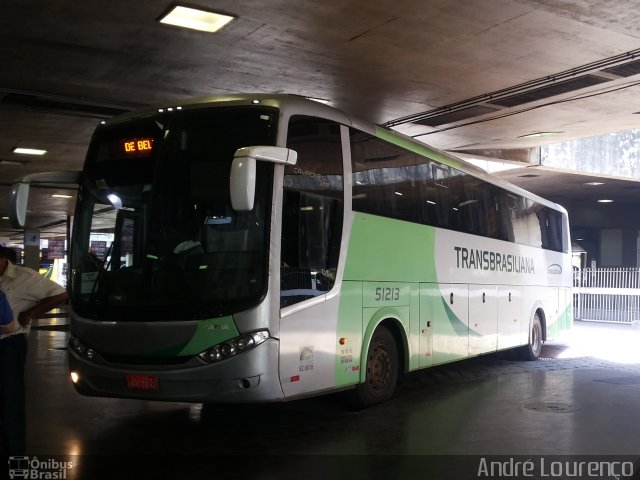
{"type": "Point", "coordinates": [29, 151]}
{"type": "Point", "coordinates": [196, 19]}
{"type": "Point", "coordinates": [605, 200]}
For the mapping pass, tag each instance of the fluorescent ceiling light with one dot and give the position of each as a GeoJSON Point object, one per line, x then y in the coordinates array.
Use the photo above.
{"type": "Point", "coordinates": [29, 151]}
{"type": "Point", "coordinates": [196, 19]}
{"type": "Point", "coordinates": [594, 183]}
{"type": "Point", "coordinates": [59, 195]}
{"type": "Point", "coordinates": [539, 134]}
{"type": "Point", "coordinates": [605, 200]}
{"type": "Point", "coordinates": [320, 100]}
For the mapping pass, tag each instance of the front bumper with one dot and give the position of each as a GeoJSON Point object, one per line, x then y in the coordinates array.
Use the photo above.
{"type": "Point", "coordinates": [249, 377]}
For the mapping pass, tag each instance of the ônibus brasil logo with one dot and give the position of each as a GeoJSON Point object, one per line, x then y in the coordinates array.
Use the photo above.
{"type": "Point", "coordinates": [37, 469]}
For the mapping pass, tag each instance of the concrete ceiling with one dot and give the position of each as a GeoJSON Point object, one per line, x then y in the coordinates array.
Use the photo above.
{"type": "Point", "coordinates": [463, 76]}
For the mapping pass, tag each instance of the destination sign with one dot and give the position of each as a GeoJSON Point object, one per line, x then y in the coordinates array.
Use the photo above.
{"type": "Point", "coordinates": [137, 146]}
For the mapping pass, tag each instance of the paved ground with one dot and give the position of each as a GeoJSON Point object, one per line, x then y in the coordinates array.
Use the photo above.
{"type": "Point", "coordinates": [581, 398]}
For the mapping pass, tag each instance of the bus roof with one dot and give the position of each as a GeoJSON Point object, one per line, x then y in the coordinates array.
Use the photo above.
{"type": "Point", "coordinates": [289, 104]}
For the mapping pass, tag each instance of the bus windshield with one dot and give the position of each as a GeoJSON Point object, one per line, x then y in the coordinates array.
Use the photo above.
{"type": "Point", "coordinates": [155, 237]}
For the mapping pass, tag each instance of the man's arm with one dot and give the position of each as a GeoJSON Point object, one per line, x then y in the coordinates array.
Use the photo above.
{"type": "Point", "coordinates": [9, 327]}
{"type": "Point", "coordinates": [42, 307]}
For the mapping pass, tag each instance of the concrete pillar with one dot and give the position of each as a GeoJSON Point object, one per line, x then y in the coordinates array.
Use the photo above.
{"type": "Point", "coordinates": [32, 249]}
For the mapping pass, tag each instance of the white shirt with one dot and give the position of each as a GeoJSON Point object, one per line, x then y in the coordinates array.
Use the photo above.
{"type": "Point", "coordinates": [25, 287]}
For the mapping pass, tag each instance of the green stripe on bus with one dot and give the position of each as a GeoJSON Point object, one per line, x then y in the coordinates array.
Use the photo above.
{"type": "Point", "coordinates": [210, 332]}
{"type": "Point", "coordinates": [384, 248]}
{"type": "Point", "coordinates": [461, 328]}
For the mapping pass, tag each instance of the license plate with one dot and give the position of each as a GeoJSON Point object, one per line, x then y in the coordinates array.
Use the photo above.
{"type": "Point", "coordinates": [142, 382]}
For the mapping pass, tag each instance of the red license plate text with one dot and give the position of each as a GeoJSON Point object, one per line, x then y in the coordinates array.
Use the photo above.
{"type": "Point", "coordinates": [142, 382]}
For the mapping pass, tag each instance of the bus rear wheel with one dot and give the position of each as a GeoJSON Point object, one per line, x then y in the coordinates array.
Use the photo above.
{"type": "Point", "coordinates": [381, 370]}
{"type": "Point", "coordinates": [532, 350]}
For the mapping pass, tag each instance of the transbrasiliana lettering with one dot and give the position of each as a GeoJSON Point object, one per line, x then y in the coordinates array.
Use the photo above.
{"type": "Point", "coordinates": [474, 259]}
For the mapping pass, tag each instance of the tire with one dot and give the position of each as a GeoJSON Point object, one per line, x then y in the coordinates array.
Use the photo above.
{"type": "Point", "coordinates": [382, 369]}
{"type": "Point", "coordinates": [532, 350]}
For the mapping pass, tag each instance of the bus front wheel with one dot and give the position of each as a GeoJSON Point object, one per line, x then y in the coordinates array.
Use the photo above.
{"type": "Point", "coordinates": [532, 350]}
{"type": "Point", "coordinates": [381, 370]}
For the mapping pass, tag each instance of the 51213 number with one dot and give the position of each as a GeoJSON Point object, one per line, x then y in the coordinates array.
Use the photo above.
{"type": "Point", "coordinates": [387, 294]}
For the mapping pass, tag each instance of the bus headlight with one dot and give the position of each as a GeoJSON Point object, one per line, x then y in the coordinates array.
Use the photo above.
{"type": "Point", "coordinates": [234, 346]}
{"type": "Point", "coordinates": [81, 349]}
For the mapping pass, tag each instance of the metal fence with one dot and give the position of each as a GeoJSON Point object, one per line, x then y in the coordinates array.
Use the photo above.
{"type": "Point", "coordinates": [607, 294]}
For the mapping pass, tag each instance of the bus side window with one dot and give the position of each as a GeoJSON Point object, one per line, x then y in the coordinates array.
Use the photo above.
{"type": "Point", "coordinates": [387, 180]}
{"type": "Point", "coordinates": [551, 229]}
{"type": "Point", "coordinates": [508, 206]}
{"type": "Point", "coordinates": [313, 203]}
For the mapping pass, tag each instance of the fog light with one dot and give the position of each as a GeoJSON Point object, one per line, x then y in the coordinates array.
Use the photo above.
{"type": "Point", "coordinates": [75, 377]}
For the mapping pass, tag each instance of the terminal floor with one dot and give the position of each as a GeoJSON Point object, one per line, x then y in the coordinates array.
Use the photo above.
{"type": "Point", "coordinates": [581, 399]}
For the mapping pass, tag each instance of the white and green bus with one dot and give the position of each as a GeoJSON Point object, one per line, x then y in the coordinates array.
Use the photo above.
{"type": "Point", "coordinates": [255, 248]}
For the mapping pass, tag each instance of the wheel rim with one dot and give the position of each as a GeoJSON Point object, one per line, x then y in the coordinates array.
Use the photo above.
{"type": "Point", "coordinates": [379, 369]}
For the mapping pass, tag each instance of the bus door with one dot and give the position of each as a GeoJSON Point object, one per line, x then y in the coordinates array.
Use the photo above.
{"type": "Point", "coordinates": [310, 239]}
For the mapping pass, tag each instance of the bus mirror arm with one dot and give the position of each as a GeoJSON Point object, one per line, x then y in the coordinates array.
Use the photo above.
{"type": "Point", "coordinates": [242, 180]}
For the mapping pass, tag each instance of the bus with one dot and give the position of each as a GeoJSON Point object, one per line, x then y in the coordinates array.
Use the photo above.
{"type": "Point", "coordinates": [253, 248]}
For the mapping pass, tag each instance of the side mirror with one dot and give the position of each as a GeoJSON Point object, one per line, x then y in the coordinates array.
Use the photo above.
{"type": "Point", "coordinates": [242, 181]}
{"type": "Point", "coordinates": [19, 193]}
{"type": "Point", "coordinates": [18, 199]}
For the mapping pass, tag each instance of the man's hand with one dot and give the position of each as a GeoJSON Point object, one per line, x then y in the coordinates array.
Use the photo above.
{"type": "Point", "coordinates": [24, 319]}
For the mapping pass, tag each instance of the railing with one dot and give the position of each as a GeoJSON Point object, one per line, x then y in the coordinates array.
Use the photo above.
{"type": "Point", "coordinates": [607, 294]}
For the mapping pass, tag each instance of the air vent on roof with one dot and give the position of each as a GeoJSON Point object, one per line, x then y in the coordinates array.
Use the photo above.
{"type": "Point", "coordinates": [450, 117]}
{"type": "Point", "coordinates": [562, 82]}
{"type": "Point", "coordinates": [625, 69]}
{"type": "Point", "coordinates": [558, 88]}
{"type": "Point", "coordinates": [58, 105]}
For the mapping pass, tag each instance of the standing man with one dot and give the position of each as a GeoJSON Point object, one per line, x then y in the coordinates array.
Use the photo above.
{"type": "Point", "coordinates": [7, 325]}
{"type": "Point", "coordinates": [30, 295]}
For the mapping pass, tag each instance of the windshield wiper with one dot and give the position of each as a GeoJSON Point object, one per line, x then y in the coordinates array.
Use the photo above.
{"type": "Point", "coordinates": [101, 270]}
